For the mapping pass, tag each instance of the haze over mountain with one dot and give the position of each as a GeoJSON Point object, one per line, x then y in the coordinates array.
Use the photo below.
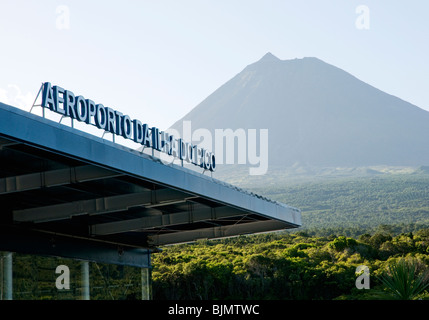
{"type": "Point", "coordinates": [317, 115]}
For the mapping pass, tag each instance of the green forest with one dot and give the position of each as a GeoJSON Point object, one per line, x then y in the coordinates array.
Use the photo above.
{"type": "Point", "coordinates": [379, 222]}
{"type": "Point", "coordinates": [286, 266]}
{"type": "Point", "coordinates": [355, 202]}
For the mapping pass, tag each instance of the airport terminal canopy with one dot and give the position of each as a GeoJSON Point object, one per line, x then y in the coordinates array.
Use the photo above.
{"type": "Point", "coordinates": [69, 193]}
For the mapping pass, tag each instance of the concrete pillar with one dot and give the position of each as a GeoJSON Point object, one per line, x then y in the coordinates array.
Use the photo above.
{"type": "Point", "coordinates": [85, 280]}
{"type": "Point", "coordinates": [7, 276]}
{"type": "Point", "coordinates": [146, 285]}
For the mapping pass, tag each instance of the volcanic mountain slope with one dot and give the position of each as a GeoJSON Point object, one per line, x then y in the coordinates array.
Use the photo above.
{"type": "Point", "coordinates": [318, 115]}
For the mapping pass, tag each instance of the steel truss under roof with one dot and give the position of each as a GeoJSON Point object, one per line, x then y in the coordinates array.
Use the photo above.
{"type": "Point", "coordinates": [60, 184]}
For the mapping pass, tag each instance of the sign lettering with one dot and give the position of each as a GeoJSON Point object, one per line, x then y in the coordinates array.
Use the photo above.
{"type": "Point", "coordinates": [65, 102]}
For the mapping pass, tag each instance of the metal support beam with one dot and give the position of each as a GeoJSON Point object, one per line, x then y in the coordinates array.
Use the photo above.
{"type": "Point", "coordinates": [85, 280]}
{"type": "Point", "coordinates": [29, 241]}
{"type": "Point", "coordinates": [4, 143]}
{"type": "Point", "coordinates": [100, 205]}
{"type": "Point", "coordinates": [217, 232]}
{"type": "Point", "coordinates": [165, 220]}
{"type": "Point", "coordinates": [53, 178]}
{"type": "Point", "coordinates": [146, 283]}
{"type": "Point", "coordinates": [7, 287]}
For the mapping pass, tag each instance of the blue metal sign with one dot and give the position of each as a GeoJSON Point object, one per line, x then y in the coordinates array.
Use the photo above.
{"type": "Point", "coordinates": [65, 102]}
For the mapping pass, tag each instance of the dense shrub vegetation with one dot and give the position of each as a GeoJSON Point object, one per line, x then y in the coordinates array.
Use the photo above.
{"type": "Point", "coordinates": [372, 221]}
{"type": "Point", "coordinates": [283, 266]}
{"type": "Point", "coordinates": [347, 222]}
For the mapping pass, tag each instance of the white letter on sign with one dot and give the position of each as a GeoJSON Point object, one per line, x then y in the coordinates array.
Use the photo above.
{"type": "Point", "coordinates": [63, 19]}
{"type": "Point", "coordinates": [63, 281]}
{"type": "Point", "coordinates": [362, 282]}
{"type": "Point", "coordinates": [362, 21]}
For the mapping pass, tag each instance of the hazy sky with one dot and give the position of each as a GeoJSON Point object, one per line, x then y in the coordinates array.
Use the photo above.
{"type": "Point", "coordinates": [156, 60]}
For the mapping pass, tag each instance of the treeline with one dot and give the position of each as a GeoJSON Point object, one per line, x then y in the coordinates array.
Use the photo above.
{"type": "Point", "coordinates": [356, 202]}
{"type": "Point", "coordinates": [284, 266]}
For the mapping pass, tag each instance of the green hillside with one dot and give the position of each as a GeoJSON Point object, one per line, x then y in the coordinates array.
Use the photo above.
{"type": "Point", "coordinates": [354, 202]}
